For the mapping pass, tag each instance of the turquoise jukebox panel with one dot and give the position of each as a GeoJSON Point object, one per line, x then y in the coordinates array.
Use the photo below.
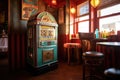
{"type": "Point", "coordinates": [46, 55]}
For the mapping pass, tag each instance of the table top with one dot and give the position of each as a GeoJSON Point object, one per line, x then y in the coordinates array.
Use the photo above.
{"type": "Point", "coordinates": [117, 44]}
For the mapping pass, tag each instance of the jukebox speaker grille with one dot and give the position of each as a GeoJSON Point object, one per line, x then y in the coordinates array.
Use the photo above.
{"type": "Point", "coordinates": [47, 55]}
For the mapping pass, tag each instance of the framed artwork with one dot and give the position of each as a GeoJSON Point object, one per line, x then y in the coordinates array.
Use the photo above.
{"type": "Point", "coordinates": [28, 8]}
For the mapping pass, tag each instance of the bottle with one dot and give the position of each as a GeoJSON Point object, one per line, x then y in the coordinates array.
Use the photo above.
{"type": "Point", "coordinates": [96, 33]}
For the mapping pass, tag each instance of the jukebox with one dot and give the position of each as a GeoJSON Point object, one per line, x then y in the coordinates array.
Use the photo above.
{"type": "Point", "coordinates": [42, 41]}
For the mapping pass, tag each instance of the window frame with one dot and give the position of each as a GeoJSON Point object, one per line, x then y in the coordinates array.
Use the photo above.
{"type": "Point", "coordinates": [107, 16]}
{"type": "Point", "coordinates": [83, 15]}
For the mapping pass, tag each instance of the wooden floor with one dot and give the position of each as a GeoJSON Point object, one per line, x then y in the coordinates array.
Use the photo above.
{"type": "Point", "coordinates": [63, 72]}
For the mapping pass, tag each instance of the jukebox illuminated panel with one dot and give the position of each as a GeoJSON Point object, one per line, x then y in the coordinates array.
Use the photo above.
{"type": "Point", "coordinates": [47, 35]}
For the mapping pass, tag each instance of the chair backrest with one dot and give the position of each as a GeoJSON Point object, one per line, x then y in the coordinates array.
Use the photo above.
{"type": "Point", "coordinates": [86, 39]}
{"type": "Point", "coordinates": [86, 36]}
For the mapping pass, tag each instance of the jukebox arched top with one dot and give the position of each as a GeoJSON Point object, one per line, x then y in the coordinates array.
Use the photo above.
{"type": "Point", "coordinates": [42, 18]}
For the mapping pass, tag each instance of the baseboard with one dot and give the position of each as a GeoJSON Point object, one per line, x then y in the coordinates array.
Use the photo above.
{"type": "Point", "coordinates": [43, 69]}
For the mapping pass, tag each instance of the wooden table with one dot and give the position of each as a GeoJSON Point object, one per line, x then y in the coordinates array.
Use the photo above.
{"type": "Point", "coordinates": [112, 53]}
{"type": "Point", "coordinates": [68, 47]}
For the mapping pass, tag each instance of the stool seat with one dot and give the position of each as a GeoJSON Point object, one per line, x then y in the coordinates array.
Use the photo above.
{"type": "Point", "coordinates": [112, 73]}
{"type": "Point", "coordinates": [93, 54]}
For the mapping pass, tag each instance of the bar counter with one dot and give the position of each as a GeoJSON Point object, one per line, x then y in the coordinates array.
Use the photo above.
{"type": "Point", "coordinates": [95, 40]}
{"type": "Point", "coordinates": [111, 50]}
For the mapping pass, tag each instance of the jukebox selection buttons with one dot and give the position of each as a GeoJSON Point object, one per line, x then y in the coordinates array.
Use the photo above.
{"type": "Point", "coordinates": [43, 43]}
{"type": "Point", "coordinates": [47, 43]}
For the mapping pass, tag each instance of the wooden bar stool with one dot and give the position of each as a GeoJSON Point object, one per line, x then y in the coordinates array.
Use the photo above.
{"type": "Point", "coordinates": [76, 48]}
{"type": "Point", "coordinates": [93, 63]}
{"type": "Point", "coordinates": [112, 74]}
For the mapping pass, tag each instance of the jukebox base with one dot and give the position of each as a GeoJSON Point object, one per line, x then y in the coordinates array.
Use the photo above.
{"type": "Point", "coordinates": [43, 69]}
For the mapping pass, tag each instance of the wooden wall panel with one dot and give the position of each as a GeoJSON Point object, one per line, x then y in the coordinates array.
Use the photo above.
{"type": "Point", "coordinates": [17, 51]}
{"type": "Point", "coordinates": [17, 40]}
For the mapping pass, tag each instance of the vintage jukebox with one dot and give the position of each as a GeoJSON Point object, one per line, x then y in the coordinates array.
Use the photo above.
{"type": "Point", "coordinates": [42, 41]}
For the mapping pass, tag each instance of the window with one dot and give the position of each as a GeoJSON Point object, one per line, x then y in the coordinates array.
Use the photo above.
{"type": "Point", "coordinates": [81, 22]}
{"type": "Point", "coordinates": [110, 10]}
{"type": "Point", "coordinates": [83, 26]}
{"type": "Point", "coordinates": [109, 21]}
{"type": "Point", "coordinates": [110, 24]}
{"type": "Point", "coordinates": [83, 8]}
{"type": "Point", "coordinates": [83, 17]}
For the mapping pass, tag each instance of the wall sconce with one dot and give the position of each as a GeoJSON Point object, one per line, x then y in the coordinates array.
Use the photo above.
{"type": "Point", "coordinates": [95, 3]}
{"type": "Point", "coordinates": [72, 10]}
{"type": "Point", "coordinates": [54, 2]}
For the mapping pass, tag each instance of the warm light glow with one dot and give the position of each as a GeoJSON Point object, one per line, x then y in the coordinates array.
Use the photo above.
{"type": "Point", "coordinates": [54, 2]}
{"type": "Point", "coordinates": [73, 10]}
{"type": "Point", "coordinates": [95, 3]}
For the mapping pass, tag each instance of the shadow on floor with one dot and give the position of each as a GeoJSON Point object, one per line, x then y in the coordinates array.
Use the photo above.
{"type": "Point", "coordinates": [63, 72]}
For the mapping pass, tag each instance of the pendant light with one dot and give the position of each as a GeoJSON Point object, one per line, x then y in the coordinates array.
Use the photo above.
{"type": "Point", "coordinates": [72, 10]}
{"type": "Point", "coordinates": [95, 3]}
{"type": "Point", "coordinates": [54, 2]}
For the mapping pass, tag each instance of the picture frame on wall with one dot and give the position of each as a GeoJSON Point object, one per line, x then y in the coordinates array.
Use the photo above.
{"type": "Point", "coordinates": [28, 7]}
